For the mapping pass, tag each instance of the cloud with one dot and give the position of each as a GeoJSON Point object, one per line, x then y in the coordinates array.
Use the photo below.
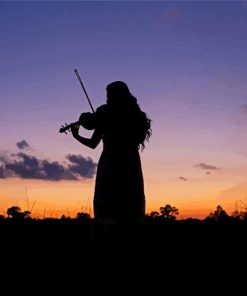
{"type": "Point", "coordinates": [1, 172]}
{"type": "Point", "coordinates": [182, 178]}
{"type": "Point", "coordinates": [23, 145]}
{"type": "Point", "coordinates": [206, 166]}
{"type": "Point", "coordinates": [30, 167]}
{"type": "Point", "coordinates": [3, 158]}
{"type": "Point", "coordinates": [85, 167]}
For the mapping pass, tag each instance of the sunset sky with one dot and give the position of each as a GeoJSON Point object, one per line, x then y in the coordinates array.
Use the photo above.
{"type": "Point", "coordinates": [186, 63]}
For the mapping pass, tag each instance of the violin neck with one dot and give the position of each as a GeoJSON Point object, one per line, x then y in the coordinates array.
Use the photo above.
{"type": "Point", "coordinates": [67, 127]}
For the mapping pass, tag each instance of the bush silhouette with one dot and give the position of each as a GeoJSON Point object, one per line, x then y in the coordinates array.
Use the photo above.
{"type": "Point", "coordinates": [169, 212]}
{"type": "Point", "coordinates": [219, 214]}
{"type": "Point", "coordinates": [15, 212]}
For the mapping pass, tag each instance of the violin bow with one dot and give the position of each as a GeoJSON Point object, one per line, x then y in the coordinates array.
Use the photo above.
{"type": "Point", "coordinates": [79, 78]}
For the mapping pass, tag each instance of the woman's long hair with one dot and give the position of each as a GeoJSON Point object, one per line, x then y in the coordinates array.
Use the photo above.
{"type": "Point", "coordinates": [119, 97]}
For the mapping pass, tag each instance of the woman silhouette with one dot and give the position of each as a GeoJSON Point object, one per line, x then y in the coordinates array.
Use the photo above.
{"type": "Point", "coordinates": [123, 127]}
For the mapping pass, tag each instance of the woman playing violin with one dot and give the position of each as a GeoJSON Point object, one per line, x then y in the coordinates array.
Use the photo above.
{"type": "Point", "coordinates": [123, 127]}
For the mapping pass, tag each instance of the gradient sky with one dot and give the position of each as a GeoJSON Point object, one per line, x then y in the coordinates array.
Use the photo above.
{"type": "Point", "coordinates": [184, 61]}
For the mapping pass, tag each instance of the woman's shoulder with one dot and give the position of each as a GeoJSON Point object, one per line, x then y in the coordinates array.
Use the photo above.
{"type": "Point", "coordinates": [106, 112]}
{"type": "Point", "coordinates": [102, 109]}
{"type": "Point", "coordinates": [102, 114]}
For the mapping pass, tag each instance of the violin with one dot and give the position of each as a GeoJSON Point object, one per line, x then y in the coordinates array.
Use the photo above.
{"type": "Point", "coordinates": [86, 120]}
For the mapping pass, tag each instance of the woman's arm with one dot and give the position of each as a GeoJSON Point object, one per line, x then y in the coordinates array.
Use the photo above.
{"type": "Point", "coordinates": [89, 142]}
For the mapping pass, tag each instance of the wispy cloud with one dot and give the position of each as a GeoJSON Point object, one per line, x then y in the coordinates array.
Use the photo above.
{"type": "Point", "coordinates": [182, 178]}
{"type": "Point", "coordinates": [23, 145]}
{"type": "Point", "coordinates": [26, 166]}
{"type": "Point", "coordinates": [206, 166]}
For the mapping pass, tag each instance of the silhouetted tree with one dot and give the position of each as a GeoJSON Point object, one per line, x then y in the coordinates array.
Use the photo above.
{"type": "Point", "coordinates": [154, 214]}
{"type": "Point", "coordinates": [13, 211]}
{"type": "Point", "coordinates": [82, 216]}
{"type": "Point", "coordinates": [16, 213]}
{"type": "Point", "coordinates": [241, 215]}
{"type": "Point", "coordinates": [169, 212]}
{"type": "Point", "coordinates": [218, 214]}
{"type": "Point", "coordinates": [26, 214]}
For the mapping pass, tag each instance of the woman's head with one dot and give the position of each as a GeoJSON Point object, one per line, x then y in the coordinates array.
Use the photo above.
{"type": "Point", "coordinates": [120, 98]}
{"type": "Point", "coordinates": [118, 94]}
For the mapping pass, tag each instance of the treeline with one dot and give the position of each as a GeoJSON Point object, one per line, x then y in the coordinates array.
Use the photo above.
{"type": "Point", "coordinates": [165, 213]}
{"type": "Point", "coordinates": [161, 229]}
{"type": "Point", "coordinates": [169, 212]}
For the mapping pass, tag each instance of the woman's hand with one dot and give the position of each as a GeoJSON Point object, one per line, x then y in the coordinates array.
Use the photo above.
{"type": "Point", "coordinates": [75, 130]}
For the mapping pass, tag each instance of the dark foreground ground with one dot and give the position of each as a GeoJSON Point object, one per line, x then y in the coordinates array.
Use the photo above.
{"type": "Point", "coordinates": [83, 235]}
{"type": "Point", "coordinates": [71, 253]}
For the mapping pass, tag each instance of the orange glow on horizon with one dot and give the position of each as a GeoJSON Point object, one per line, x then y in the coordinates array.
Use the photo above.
{"type": "Point", "coordinates": [52, 199]}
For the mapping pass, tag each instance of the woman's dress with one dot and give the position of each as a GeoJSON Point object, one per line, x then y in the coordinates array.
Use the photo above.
{"type": "Point", "coordinates": [119, 187]}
